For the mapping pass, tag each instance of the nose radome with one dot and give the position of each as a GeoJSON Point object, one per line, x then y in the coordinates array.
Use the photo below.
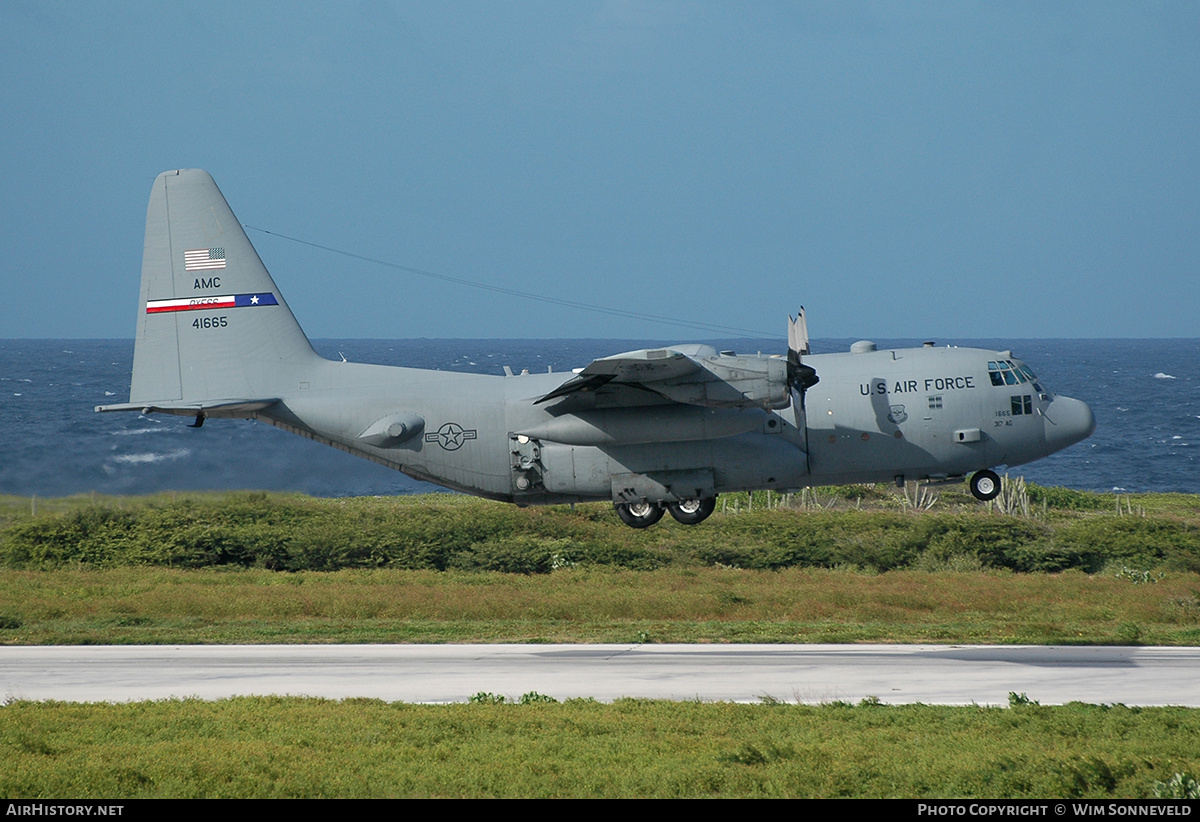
{"type": "Point", "coordinates": [1067, 422]}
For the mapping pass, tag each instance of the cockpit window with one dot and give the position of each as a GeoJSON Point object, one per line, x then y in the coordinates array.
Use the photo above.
{"type": "Point", "coordinates": [1028, 374]}
{"type": "Point", "coordinates": [1005, 372]}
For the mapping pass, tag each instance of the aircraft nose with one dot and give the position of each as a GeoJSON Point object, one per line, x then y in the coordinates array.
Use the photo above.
{"type": "Point", "coordinates": [1067, 422]}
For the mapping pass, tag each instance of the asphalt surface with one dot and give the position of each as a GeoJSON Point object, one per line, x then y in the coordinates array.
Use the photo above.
{"type": "Point", "coordinates": [934, 674]}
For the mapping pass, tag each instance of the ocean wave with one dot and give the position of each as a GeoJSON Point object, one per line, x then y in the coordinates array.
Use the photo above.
{"type": "Point", "coordinates": [1161, 376]}
{"type": "Point", "coordinates": [139, 431]}
{"type": "Point", "coordinates": [141, 459]}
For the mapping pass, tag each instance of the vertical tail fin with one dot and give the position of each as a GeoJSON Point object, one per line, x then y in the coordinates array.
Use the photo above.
{"type": "Point", "coordinates": [212, 325]}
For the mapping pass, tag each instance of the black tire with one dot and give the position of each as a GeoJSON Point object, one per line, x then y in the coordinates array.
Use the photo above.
{"type": "Point", "coordinates": [985, 485]}
{"type": "Point", "coordinates": [639, 514]}
{"type": "Point", "coordinates": [692, 511]}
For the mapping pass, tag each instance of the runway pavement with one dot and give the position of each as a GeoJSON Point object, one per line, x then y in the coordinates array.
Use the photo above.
{"type": "Point", "coordinates": [937, 674]}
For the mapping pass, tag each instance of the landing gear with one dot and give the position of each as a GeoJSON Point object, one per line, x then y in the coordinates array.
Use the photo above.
{"type": "Point", "coordinates": [639, 514]}
{"type": "Point", "coordinates": [985, 485]}
{"type": "Point", "coordinates": [692, 511]}
{"type": "Point", "coordinates": [644, 514]}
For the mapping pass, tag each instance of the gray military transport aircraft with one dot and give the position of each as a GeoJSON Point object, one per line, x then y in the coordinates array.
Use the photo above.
{"type": "Point", "coordinates": [652, 430]}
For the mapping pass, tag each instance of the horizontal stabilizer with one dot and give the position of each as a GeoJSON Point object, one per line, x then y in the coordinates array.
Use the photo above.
{"type": "Point", "coordinates": [208, 408]}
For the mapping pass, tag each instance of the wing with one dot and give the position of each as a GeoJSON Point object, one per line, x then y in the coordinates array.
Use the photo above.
{"type": "Point", "coordinates": [631, 370]}
{"type": "Point", "coordinates": [692, 375]}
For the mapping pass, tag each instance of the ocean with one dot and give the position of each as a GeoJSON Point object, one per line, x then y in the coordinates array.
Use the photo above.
{"type": "Point", "coordinates": [1145, 395]}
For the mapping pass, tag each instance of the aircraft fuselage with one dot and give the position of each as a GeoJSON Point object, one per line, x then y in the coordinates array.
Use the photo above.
{"type": "Point", "coordinates": [875, 416]}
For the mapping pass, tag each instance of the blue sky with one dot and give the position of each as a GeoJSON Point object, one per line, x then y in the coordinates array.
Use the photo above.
{"type": "Point", "coordinates": [930, 170]}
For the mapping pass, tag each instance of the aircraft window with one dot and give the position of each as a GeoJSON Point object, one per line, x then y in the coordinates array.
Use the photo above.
{"type": "Point", "coordinates": [1008, 364]}
{"type": "Point", "coordinates": [1028, 373]}
{"type": "Point", "coordinates": [1006, 372]}
{"type": "Point", "coordinates": [1022, 405]}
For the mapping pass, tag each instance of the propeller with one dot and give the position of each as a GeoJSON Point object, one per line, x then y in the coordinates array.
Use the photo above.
{"type": "Point", "coordinates": [800, 377]}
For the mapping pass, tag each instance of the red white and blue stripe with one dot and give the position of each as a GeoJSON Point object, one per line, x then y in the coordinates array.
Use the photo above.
{"type": "Point", "coordinates": [209, 303]}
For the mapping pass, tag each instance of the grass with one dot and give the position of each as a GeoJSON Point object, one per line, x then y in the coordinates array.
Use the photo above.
{"type": "Point", "coordinates": [291, 747]}
{"type": "Point", "coordinates": [593, 604]}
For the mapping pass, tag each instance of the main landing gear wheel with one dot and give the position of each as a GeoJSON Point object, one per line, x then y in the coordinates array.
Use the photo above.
{"type": "Point", "coordinates": [639, 514]}
{"type": "Point", "coordinates": [985, 485]}
{"type": "Point", "coordinates": [692, 511]}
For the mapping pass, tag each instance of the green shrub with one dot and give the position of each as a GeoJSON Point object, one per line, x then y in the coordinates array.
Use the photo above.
{"type": "Point", "coordinates": [88, 536]}
{"type": "Point", "coordinates": [1179, 786]}
{"type": "Point", "coordinates": [1068, 499]}
{"type": "Point", "coordinates": [293, 533]}
{"type": "Point", "coordinates": [512, 555]}
{"type": "Point", "coordinates": [1142, 542]}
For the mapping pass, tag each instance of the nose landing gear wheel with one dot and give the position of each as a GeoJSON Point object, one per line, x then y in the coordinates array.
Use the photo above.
{"type": "Point", "coordinates": [639, 514]}
{"type": "Point", "coordinates": [985, 485]}
{"type": "Point", "coordinates": [692, 511]}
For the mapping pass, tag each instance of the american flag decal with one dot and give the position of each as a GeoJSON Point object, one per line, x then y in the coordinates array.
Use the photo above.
{"type": "Point", "coordinates": [204, 259]}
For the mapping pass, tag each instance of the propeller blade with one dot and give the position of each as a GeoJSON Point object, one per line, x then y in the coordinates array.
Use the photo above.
{"type": "Point", "coordinates": [800, 377]}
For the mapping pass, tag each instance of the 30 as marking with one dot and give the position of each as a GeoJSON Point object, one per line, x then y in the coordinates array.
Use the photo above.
{"type": "Point", "coordinates": [210, 322]}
